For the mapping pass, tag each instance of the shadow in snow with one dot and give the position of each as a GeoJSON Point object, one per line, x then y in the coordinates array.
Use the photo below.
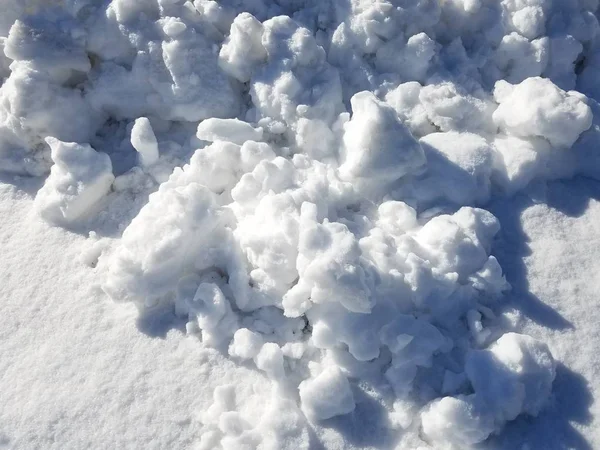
{"type": "Point", "coordinates": [573, 197]}
{"type": "Point", "coordinates": [553, 429]}
{"type": "Point", "coordinates": [571, 401]}
{"type": "Point", "coordinates": [25, 184]}
{"type": "Point", "coordinates": [367, 426]}
{"type": "Point", "coordinates": [158, 321]}
{"type": "Point", "coordinates": [511, 247]}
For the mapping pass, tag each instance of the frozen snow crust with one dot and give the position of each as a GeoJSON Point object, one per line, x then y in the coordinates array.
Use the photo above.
{"type": "Point", "coordinates": [316, 173]}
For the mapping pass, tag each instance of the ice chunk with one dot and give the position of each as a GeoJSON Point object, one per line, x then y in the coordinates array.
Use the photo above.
{"type": "Point", "coordinates": [231, 130]}
{"type": "Point", "coordinates": [377, 145]}
{"type": "Point", "coordinates": [144, 141]}
{"type": "Point", "coordinates": [537, 107]}
{"type": "Point", "coordinates": [79, 178]}
{"type": "Point", "coordinates": [326, 395]}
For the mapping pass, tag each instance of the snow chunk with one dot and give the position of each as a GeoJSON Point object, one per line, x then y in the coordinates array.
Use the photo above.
{"type": "Point", "coordinates": [212, 312]}
{"type": "Point", "coordinates": [243, 50]}
{"type": "Point", "coordinates": [270, 360]}
{"type": "Point", "coordinates": [411, 60]}
{"type": "Point", "coordinates": [537, 107]}
{"type": "Point", "coordinates": [246, 344]}
{"type": "Point", "coordinates": [517, 160]}
{"type": "Point", "coordinates": [411, 341]}
{"type": "Point", "coordinates": [231, 130]}
{"type": "Point", "coordinates": [174, 79]}
{"type": "Point", "coordinates": [564, 51]}
{"type": "Point", "coordinates": [329, 268]}
{"type": "Point", "coordinates": [162, 240]}
{"type": "Point", "coordinates": [514, 375]}
{"type": "Point", "coordinates": [518, 58]}
{"type": "Point", "coordinates": [79, 178]}
{"type": "Point", "coordinates": [378, 146]}
{"type": "Point", "coordinates": [326, 395]}
{"type": "Point", "coordinates": [48, 46]}
{"type": "Point", "coordinates": [396, 218]}
{"type": "Point", "coordinates": [459, 167]}
{"type": "Point", "coordinates": [459, 422]}
{"type": "Point", "coordinates": [528, 17]}
{"type": "Point", "coordinates": [296, 80]}
{"type": "Point", "coordinates": [405, 101]}
{"type": "Point", "coordinates": [451, 108]}
{"type": "Point", "coordinates": [144, 141]}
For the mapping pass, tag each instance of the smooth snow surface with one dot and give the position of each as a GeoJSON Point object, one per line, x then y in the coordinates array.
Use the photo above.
{"type": "Point", "coordinates": [310, 218]}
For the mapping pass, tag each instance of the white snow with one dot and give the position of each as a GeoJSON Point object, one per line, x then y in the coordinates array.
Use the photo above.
{"type": "Point", "coordinates": [79, 178]}
{"type": "Point", "coordinates": [144, 141]}
{"type": "Point", "coordinates": [377, 145]}
{"type": "Point", "coordinates": [230, 130]}
{"type": "Point", "coordinates": [538, 108]}
{"type": "Point", "coordinates": [323, 209]}
{"type": "Point", "coordinates": [326, 395]}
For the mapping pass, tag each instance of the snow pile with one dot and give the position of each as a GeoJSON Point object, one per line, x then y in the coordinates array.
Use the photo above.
{"type": "Point", "coordinates": [316, 175]}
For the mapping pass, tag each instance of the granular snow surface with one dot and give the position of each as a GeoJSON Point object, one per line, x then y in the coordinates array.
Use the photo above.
{"type": "Point", "coordinates": [308, 225]}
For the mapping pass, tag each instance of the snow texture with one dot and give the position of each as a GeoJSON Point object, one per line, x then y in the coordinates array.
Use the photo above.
{"type": "Point", "coordinates": [306, 186]}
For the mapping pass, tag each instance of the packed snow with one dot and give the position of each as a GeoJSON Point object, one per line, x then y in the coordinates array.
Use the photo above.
{"type": "Point", "coordinates": [307, 188]}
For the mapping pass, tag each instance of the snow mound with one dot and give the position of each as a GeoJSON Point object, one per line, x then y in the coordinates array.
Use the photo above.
{"type": "Point", "coordinates": [308, 184]}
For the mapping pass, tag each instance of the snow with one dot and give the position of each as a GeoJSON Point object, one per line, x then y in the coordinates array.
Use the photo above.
{"type": "Point", "coordinates": [144, 141]}
{"type": "Point", "coordinates": [377, 145]}
{"type": "Point", "coordinates": [230, 130]}
{"type": "Point", "coordinates": [536, 107]}
{"type": "Point", "coordinates": [326, 395]}
{"type": "Point", "coordinates": [79, 178]}
{"type": "Point", "coordinates": [321, 208]}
